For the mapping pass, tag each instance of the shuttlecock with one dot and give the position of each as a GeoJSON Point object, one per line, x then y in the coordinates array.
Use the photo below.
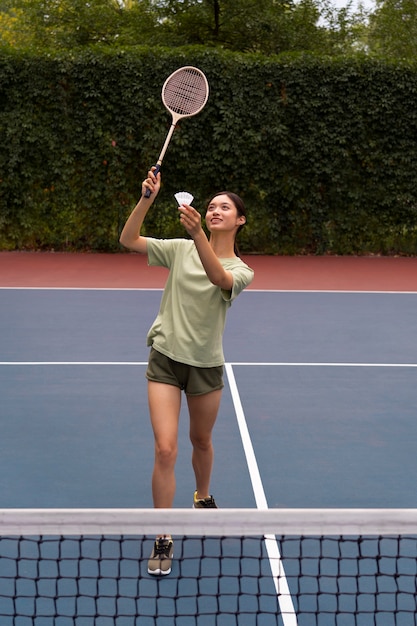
{"type": "Point", "coordinates": [183, 197]}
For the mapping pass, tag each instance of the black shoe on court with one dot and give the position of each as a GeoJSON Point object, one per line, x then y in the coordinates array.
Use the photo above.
{"type": "Point", "coordinates": [204, 503]}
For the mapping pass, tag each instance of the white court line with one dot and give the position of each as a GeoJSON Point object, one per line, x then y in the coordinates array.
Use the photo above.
{"type": "Point", "coordinates": [82, 288]}
{"type": "Point", "coordinates": [98, 363]}
{"type": "Point", "coordinates": [348, 291]}
{"type": "Point", "coordinates": [286, 605]}
{"type": "Point", "coordinates": [247, 291]}
{"type": "Point", "coordinates": [231, 364]}
{"type": "Point", "coordinates": [318, 364]}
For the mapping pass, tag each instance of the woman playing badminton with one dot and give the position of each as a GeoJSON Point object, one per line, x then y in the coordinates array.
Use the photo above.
{"type": "Point", "coordinates": [206, 274]}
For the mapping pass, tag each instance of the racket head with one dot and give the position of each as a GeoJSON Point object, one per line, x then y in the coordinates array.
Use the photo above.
{"type": "Point", "coordinates": [185, 92]}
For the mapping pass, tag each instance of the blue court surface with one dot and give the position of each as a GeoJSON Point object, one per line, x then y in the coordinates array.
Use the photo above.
{"type": "Point", "coordinates": [319, 406]}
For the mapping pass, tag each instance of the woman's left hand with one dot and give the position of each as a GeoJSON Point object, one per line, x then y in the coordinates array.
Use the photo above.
{"type": "Point", "coordinates": [190, 219]}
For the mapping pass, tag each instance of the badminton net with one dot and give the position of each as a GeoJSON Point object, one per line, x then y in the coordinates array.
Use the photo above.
{"type": "Point", "coordinates": [289, 567]}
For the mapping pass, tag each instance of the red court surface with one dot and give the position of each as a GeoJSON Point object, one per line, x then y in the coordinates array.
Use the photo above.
{"type": "Point", "coordinates": [130, 271]}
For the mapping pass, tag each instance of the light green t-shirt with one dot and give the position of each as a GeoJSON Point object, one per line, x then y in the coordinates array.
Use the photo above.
{"type": "Point", "coordinates": [192, 315]}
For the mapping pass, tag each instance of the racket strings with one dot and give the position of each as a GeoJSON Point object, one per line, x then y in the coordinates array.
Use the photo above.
{"type": "Point", "coordinates": [185, 93]}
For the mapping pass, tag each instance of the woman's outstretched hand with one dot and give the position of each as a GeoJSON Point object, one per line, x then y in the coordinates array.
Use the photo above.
{"type": "Point", "coordinates": [190, 219]}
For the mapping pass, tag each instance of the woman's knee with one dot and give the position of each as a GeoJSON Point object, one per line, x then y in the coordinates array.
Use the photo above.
{"type": "Point", "coordinates": [201, 441]}
{"type": "Point", "coordinates": [166, 454]}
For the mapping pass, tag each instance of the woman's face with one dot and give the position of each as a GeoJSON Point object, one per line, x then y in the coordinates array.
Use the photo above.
{"type": "Point", "coordinates": [222, 215]}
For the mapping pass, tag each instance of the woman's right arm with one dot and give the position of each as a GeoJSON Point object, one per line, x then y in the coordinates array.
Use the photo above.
{"type": "Point", "coordinates": [130, 236]}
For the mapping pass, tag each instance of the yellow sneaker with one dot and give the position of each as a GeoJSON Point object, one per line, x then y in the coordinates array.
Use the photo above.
{"type": "Point", "coordinates": [204, 503]}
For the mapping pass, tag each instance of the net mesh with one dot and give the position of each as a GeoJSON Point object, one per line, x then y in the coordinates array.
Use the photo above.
{"type": "Point", "coordinates": [365, 576]}
{"type": "Point", "coordinates": [185, 92]}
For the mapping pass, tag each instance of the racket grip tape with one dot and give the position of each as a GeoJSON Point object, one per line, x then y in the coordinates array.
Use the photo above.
{"type": "Point", "coordinates": [156, 170]}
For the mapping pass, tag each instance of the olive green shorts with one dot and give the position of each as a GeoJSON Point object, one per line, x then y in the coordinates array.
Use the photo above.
{"type": "Point", "coordinates": [195, 381]}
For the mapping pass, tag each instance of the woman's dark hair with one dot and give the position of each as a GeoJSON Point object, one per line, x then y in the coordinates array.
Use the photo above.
{"type": "Point", "coordinates": [240, 207]}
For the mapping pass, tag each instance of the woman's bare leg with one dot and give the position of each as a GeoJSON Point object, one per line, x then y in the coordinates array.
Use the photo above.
{"type": "Point", "coordinates": [164, 408]}
{"type": "Point", "coordinates": [203, 413]}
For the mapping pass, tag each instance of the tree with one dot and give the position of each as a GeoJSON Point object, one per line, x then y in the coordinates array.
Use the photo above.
{"type": "Point", "coordinates": [346, 28]}
{"type": "Point", "coordinates": [393, 29]}
{"type": "Point", "coordinates": [265, 26]}
{"type": "Point", "coordinates": [74, 23]}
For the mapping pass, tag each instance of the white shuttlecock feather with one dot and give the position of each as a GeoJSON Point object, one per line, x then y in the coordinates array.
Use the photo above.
{"type": "Point", "coordinates": [183, 197]}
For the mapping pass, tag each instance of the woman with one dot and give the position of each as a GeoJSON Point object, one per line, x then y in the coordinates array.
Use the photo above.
{"type": "Point", "coordinates": [186, 338]}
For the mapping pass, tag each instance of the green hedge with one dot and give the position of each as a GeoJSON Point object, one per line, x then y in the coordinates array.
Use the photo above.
{"type": "Point", "coordinates": [323, 151]}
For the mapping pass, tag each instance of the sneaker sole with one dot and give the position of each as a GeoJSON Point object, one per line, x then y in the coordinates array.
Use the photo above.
{"type": "Point", "coordinates": [159, 572]}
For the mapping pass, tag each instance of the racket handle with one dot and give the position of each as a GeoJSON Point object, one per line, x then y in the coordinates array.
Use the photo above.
{"type": "Point", "coordinates": [156, 170]}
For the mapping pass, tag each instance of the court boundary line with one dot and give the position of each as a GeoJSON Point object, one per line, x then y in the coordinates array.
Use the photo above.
{"type": "Point", "coordinates": [320, 364]}
{"type": "Point", "coordinates": [82, 288]}
{"type": "Point", "coordinates": [279, 577]}
{"type": "Point", "coordinates": [247, 291]}
{"type": "Point", "coordinates": [231, 363]}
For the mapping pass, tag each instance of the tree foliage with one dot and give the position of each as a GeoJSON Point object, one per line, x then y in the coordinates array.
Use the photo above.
{"type": "Point", "coordinates": [67, 24]}
{"type": "Point", "coordinates": [266, 26]}
{"type": "Point", "coordinates": [393, 29]}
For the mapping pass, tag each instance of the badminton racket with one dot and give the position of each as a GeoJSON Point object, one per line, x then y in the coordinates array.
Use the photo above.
{"type": "Point", "coordinates": [184, 94]}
